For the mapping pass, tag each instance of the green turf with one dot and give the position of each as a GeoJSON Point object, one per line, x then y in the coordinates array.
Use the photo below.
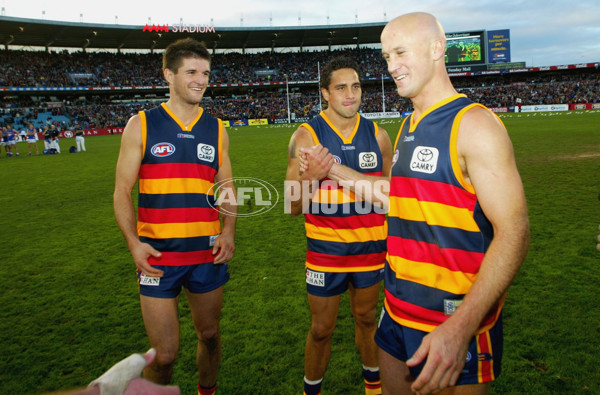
{"type": "Point", "coordinates": [69, 296]}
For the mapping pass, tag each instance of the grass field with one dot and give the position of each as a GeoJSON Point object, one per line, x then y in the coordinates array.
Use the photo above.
{"type": "Point", "coordinates": [69, 305]}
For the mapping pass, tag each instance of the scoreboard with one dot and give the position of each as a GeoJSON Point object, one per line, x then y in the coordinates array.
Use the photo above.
{"type": "Point", "coordinates": [478, 47]}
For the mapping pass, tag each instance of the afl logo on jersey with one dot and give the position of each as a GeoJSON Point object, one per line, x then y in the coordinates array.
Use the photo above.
{"type": "Point", "coordinates": [337, 159]}
{"type": "Point", "coordinates": [162, 149]}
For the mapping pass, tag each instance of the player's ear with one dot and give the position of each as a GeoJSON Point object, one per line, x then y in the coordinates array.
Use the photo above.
{"type": "Point", "coordinates": [325, 94]}
{"type": "Point", "coordinates": [438, 49]}
{"type": "Point", "coordinates": [168, 74]}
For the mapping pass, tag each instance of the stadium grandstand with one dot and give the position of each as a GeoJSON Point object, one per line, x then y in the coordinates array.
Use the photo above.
{"type": "Point", "coordinates": [94, 77]}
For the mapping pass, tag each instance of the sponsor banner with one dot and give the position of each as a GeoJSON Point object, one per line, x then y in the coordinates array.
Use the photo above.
{"type": "Point", "coordinates": [460, 74]}
{"type": "Point", "coordinates": [46, 88]}
{"type": "Point", "coordinates": [280, 120]}
{"type": "Point", "coordinates": [301, 119]}
{"type": "Point", "coordinates": [118, 88]}
{"type": "Point", "coordinates": [406, 113]}
{"type": "Point", "coordinates": [506, 65]}
{"type": "Point", "coordinates": [564, 67]}
{"type": "Point", "coordinates": [377, 115]}
{"type": "Point", "coordinates": [466, 69]}
{"type": "Point", "coordinates": [498, 45]}
{"type": "Point", "coordinates": [584, 106]}
{"type": "Point", "coordinates": [262, 121]}
{"type": "Point", "coordinates": [226, 124]}
{"type": "Point", "coordinates": [239, 122]}
{"type": "Point", "coordinates": [88, 132]}
{"type": "Point", "coordinates": [545, 107]}
{"type": "Point", "coordinates": [499, 109]}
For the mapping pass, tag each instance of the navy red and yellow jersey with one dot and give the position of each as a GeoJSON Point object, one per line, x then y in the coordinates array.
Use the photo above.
{"type": "Point", "coordinates": [176, 203]}
{"type": "Point", "coordinates": [344, 232]}
{"type": "Point", "coordinates": [438, 233]}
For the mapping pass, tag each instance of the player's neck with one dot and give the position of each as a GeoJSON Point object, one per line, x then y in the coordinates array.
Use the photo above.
{"type": "Point", "coordinates": [184, 111]}
{"type": "Point", "coordinates": [344, 125]}
{"type": "Point", "coordinates": [431, 95]}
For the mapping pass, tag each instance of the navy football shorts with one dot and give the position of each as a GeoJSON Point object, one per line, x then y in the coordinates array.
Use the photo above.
{"type": "Point", "coordinates": [331, 284]}
{"type": "Point", "coordinates": [201, 278]}
{"type": "Point", "coordinates": [483, 358]}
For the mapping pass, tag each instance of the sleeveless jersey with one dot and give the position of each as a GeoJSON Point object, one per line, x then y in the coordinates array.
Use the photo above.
{"type": "Point", "coordinates": [31, 135]}
{"type": "Point", "coordinates": [176, 203]}
{"type": "Point", "coordinates": [11, 135]}
{"type": "Point", "coordinates": [438, 233]}
{"type": "Point", "coordinates": [345, 233]}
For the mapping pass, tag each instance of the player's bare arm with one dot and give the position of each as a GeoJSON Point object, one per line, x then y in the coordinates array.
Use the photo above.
{"type": "Point", "coordinates": [385, 145]}
{"type": "Point", "coordinates": [487, 162]}
{"type": "Point", "coordinates": [224, 246]}
{"type": "Point", "coordinates": [128, 166]}
{"type": "Point", "coordinates": [320, 165]}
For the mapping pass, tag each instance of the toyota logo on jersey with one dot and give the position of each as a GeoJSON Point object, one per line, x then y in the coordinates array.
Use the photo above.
{"type": "Point", "coordinates": [163, 149]}
{"type": "Point", "coordinates": [367, 160]}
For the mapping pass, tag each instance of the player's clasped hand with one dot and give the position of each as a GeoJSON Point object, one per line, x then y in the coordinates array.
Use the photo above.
{"type": "Point", "coordinates": [315, 162]}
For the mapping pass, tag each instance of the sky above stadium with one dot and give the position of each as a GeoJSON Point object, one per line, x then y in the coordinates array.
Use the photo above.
{"type": "Point", "coordinates": [542, 32]}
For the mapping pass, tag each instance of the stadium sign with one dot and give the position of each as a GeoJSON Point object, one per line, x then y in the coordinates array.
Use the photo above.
{"type": "Point", "coordinates": [179, 28]}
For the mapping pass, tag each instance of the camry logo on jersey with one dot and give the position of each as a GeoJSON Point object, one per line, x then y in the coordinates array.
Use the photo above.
{"type": "Point", "coordinates": [337, 159]}
{"type": "Point", "coordinates": [151, 281]}
{"type": "Point", "coordinates": [163, 149]}
{"type": "Point", "coordinates": [367, 160]}
{"type": "Point", "coordinates": [315, 278]}
{"type": "Point", "coordinates": [206, 152]}
{"type": "Point", "coordinates": [424, 159]}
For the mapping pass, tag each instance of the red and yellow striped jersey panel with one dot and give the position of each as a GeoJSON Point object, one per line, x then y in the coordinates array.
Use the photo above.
{"type": "Point", "coordinates": [438, 233]}
{"type": "Point", "coordinates": [177, 212]}
{"type": "Point", "coordinates": [344, 233]}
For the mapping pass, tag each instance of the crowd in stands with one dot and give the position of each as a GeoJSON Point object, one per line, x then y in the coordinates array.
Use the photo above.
{"type": "Point", "coordinates": [39, 69]}
{"type": "Point", "coordinates": [51, 69]}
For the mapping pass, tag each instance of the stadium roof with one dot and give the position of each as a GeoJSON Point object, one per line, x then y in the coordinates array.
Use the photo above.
{"type": "Point", "coordinates": [23, 32]}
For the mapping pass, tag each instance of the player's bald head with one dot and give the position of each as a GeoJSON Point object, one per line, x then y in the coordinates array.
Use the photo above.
{"type": "Point", "coordinates": [417, 25]}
